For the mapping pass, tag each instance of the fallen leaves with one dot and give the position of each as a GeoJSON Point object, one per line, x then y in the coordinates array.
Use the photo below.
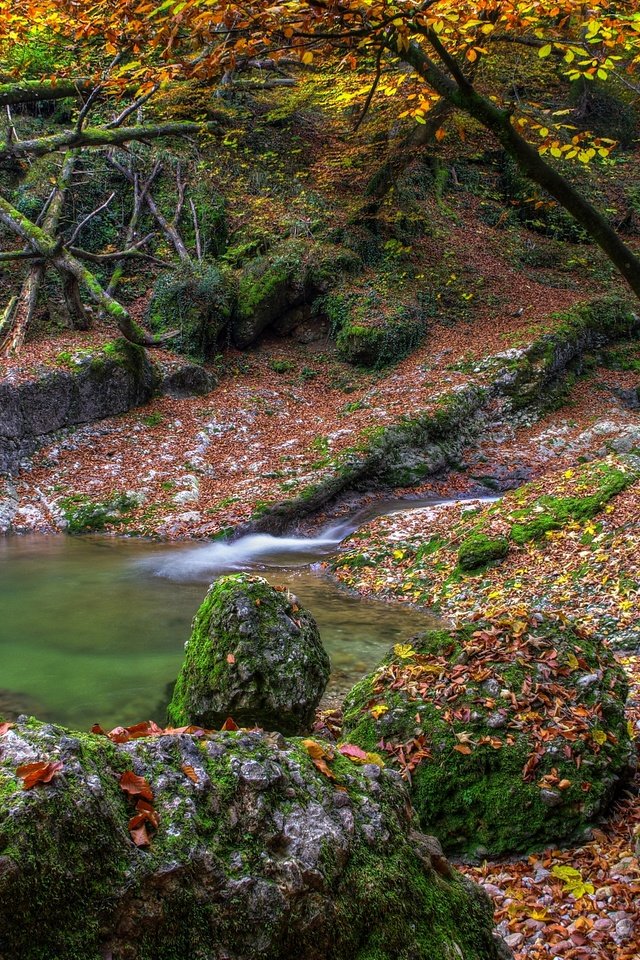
{"type": "Point", "coordinates": [41, 771]}
{"type": "Point", "coordinates": [136, 786]}
{"type": "Point", "coordinates": [5, 727]}
{"type": "Point", "coordinates": [145, 816]}
{"type": "Point", "coordinates": [321, 754]}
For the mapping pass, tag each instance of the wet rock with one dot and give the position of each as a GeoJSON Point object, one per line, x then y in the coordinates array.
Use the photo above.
{"type": "Point", "coordinates": [90, 387]}
{"type": "Point", "coordinates": [480, 786]}
{"type": "Point", "coordinates": [255, 655]}
{"type": "Point", "coordinates": [282, 873]}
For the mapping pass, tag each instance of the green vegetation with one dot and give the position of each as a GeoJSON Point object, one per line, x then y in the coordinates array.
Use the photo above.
{"type": "Point", "coordinates": [84, 515]}
{"type": "Point", "coordinates": [478, 550]}
{"type": "Point", "coordinates": [477, 781]}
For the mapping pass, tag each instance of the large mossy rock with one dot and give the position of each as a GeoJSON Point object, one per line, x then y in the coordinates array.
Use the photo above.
{"type": "Point", "coordinates": [255, 655]}
{"type": "Point", "coordinates": [513, 730]}
{"type": "Point", "coordinates": [199, 301]}
{"type": "Point", "coordinates": [257, 855]}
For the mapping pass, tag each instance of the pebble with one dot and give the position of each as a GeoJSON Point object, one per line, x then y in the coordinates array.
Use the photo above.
{"type": "Point", "coordinates": [514, 940]}
{"type": "Point", "coordinates": [624, 930]}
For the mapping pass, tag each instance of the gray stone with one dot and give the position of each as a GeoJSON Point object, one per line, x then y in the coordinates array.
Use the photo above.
{"type": "Point", "coordinates": [227, 872]}
{"type": "Point", "coordinates": [254, 655]}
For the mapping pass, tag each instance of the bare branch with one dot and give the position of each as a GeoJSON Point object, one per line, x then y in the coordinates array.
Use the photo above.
{"type": "Point", "coordinates": [196, 230]}
{"type": "Point", "coordinates": [100, 137]}
{"type": "Point", "coordinates": [119, 120]}
{"type": "Point", "coordinates": [371, 94]}
{"type": "Point", "coordinates": [91, 99]}
{"type": "Point", "coordinates": [89, 217]}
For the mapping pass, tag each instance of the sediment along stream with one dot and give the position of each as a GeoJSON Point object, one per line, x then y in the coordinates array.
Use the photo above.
{"type": "Point", "coordinates": [92, 629]}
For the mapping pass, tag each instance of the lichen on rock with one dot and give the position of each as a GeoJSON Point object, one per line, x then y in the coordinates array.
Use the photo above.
{"type": "Point", "coordinates": [256, 855]}
{"type": "Point", "coordinates": [254, 654]}
{"type": "Point", "coordinates": [512, 730]}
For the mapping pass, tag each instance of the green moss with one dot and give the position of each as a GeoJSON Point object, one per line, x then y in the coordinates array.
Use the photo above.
{"type": "Point", "coordinates": [478, 550]}
{"type": "Point", "coordinates": [84, 515]}
{"type": "Point", "coordinates": [552, 513]}
{"type": "Point", "coordinates": [472, 790]}
{"type": "Point", "coordinates": [200, 301]}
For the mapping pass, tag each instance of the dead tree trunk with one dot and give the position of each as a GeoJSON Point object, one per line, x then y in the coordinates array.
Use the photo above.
{"type": "Point", "coordinates": [67, 264]}
{"type": "Point", "coordinates": [18, 323]}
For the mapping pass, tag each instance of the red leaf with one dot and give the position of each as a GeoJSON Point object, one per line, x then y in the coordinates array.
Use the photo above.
{"type": "Point", "coordinates": [4, 727]}
{"type": "Point", "coordinates": [350, 750]}
{"type": "Point", "coordinates": [96, 728]}
{"type": "Point", "coordinates": [40, 772]}
{"type": "Point", "coordinates": [231, 658]}
{"type": "Point", "coordinates": [229, 724]}
{"type": "Point", "coordinates": [136, 786]}
{"type": "Point", "coordinates": [140, 836]}
{"type": "Point", "coordinates": [119, 735]}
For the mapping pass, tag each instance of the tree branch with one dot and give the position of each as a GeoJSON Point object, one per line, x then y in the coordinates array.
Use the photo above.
{"type": "Point", "coordinates": [100, 137]}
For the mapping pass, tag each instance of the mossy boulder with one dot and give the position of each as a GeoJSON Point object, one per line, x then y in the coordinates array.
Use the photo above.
{"type": "Point", "coordinates": [255, 655]}
{"type": "Point", "coordinates": [199, 301]}
{"type": "Point", "coordinates": [249, 851]}
{"type": "Point", "coordinates": [478, 550]}
{"type": "Point", "coordinates": [512, 729]}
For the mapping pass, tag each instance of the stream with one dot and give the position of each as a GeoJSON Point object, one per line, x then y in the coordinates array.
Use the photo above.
{"type": "Point", "coordinates": [92, 629]}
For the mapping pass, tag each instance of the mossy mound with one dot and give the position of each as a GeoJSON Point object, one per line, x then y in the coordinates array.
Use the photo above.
{"type": "Point", "coordinates": [373, 325]}
{"type": "Point", "coordinates": [512, 729]}
{"type": "Point", "coordinates": [478, 550]}
{"type": "Point", "coordinates": [249, 851]}
{"type": "Point", "coordinates": [199, 302]}
{"type": "Point", "coordinates": [255, 655]}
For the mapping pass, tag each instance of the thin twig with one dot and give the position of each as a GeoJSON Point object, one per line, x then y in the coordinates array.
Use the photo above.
{"type": "Point", "coordinates": [374, 86]}
{"type": "Point", "coordinates": [196, 229]}
{"type": "Point", "coordinates": [132, 108]}
{"type": "Point", "coordinates": [89, 217]}
{"type": "Point", "coordinates": [91, 99]}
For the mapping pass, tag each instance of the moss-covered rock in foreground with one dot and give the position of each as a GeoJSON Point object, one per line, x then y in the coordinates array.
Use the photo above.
{"type": "Point", "coordinates": [257, 855]}
{"type": "Point", "coordinates": [513, 730]}
{"type": "Point", "coordinates": [254, 654]}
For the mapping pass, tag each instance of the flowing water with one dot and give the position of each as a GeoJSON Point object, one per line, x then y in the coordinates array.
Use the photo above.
{"type": "Point", "coordinates": [92, 629]}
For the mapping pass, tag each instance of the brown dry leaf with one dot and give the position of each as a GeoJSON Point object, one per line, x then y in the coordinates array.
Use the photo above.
{"type": "Point", "coordinates": [140, 836]}
{"type": "Point", "coordinates": [463, 748]}
{"type": "Point", "coordinates": [40, 772]}
{"type": "Point", "coordinates": [136, 786]}
{"type": "Point", "coordinates": [190, 772]}
{"type": "Point", "coordinates": [229, 724]}
{"type": "Point", "coordinates": [4, 727]}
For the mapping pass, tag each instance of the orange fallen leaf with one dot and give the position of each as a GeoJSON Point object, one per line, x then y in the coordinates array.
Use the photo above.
{"type": "Point", "coordinates": [39, 772]}
{"type": "Point", "coordinates": [190, 772]}
{"type": "Point", "coordinates": [229, 724]}
{"type": "Point", "coordinates": [140, 836]}
{"type": "Point", "coordinates": [463, 748]}
{"type": "Point", "coordinates": [136, 786]}
{"type": "Point", "coordinates": [4, 727]}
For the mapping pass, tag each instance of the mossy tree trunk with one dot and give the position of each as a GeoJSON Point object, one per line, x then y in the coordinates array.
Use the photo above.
{"type": "Point", "coordinates": [448, 79]}
{"type": "Point", "coordinates": [72, 270]}
{"type": "Point", "coordinates": [18, 322]}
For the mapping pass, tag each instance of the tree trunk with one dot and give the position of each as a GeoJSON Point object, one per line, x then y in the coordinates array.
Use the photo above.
{"type": "Point", "coordinates": [99, 137]}
{"type": "Point", "coordinates": [16, 330]}
{"type": "Point", "coordinates": [37, 91]}
{"type": "Point", "coordinates": [66, 263]}
{"type": "Point", "coordinates": [461, 94]}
